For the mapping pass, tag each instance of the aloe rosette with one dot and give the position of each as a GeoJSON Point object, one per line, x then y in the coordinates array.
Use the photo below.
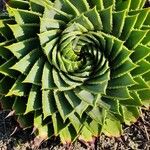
{"type": "Point", "coordinates": [75, 68]}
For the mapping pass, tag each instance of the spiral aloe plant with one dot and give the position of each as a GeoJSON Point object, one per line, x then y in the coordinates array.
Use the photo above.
{"type": "Point", "coordinates": [75, 68]}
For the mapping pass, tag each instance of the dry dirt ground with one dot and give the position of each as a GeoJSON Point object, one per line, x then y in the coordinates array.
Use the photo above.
{"type": "Point", "coordinates": [135, 137]}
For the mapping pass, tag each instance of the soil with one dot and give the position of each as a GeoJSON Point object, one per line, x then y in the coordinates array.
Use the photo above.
{"type": "Point", "coordinates": [135, 137]}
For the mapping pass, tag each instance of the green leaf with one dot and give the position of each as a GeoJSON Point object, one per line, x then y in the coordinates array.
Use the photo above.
{"type": "Point", "coordinates": [48, 103]}
{"type": "Point", "coordinates": [134, 101]}
{"type": "Point", "coordinates": [66, 6]}
{"type": "Point", "coordinates": [34, 99]}
{"type": "Point", "coordinates": [143, 67]}
{"type": "Point", "coordinates": [135, 38]}
{"type": "Point", "coordinates": [140, 52]}
{"type": "Point", "coordinates": [112, 126]}
{"type": "Point", "coordinates": [72, 98]}
{"type": "Point", "coordinates": [50, 50]}
{"type": "Point", "coordinates": [120, 93]}
{"type": "Point", "coordinates": [86, 135]}
{"type": "Point", "coordinates": [128, 26]}
{"type": "Point", "coordinates": [80, 109]}
{"type": "Point", "coordinates": [147, 20]}
{"type": "Point", "coordinates": [35, 74]}
{"type": "Point", "coordinates": [109, 44]}
{"type": "Point", "coordinates": [84, 21]}
{"type": "Point", "coordinates": [19, 105]}
{"type": "Point", "coordinates": [97, 3]}
{"type": "Point", "coordinates": [112, 105]}
{"type": "Point", "coordinates": [24, 31]}
{"type": "Point", "coordinates": [99, 79]}
{"type": "Point", "coordinates": [106, 17]}
{"type": "Point", "coordinates": [97, 114]}
{"type": "Point", "coordinates": [42, 129]}
{"type": "Point", "coordinates": [47, 36]}
{"type": "Point", "coordinates": [61, 84]}
{"type": "Point", "coordinates": [4, 86]}
{"type": "Point", "coordinates": [69, 81]}
{"type": "Point", "coordinates": [22, 48]}
{"type": "Point", "coordinates": [135, 5]}
{"type": "Point", "coordinates": [85, 96]}
{"type": "Point", "coordinates": [76, 122]}
{"type": "Point", "coordinates": [109, 3]}
{"type": "Point", "coordinates": [25, 121]}
{"type": "Point", "coordinates": [142, 15]}
{"type": "Point", "coordinates": [37, 6]}
{"type": "Point", "coordinates": [96, 88]}
{"type": "Point", "coordinates": [145, 40]}
{"type": "Point", "coordinates": [121, 57]}
{"type": "Point", "coordinates": [4, 53]}
{"type": "Point", "coordinates": [27, 61]}
{"type": "Point", "coordinates": [51, 13]}
{"type": "Point", "coordinates": [5, 68]}
{"type": "Point", "coordinates": [70, 66]}
{"type": "Point", "coordinates": [23, 16]}
{"type": "Point", "coordinates": [130, 114]}
{"type": "Point", "coordinates": [68, 135]}
{"type": "Point", "coordinates": [20, 4]}
{"type": "Point", "coordinates": [47, 77]}
{"type": "Point", "coordinates": [122, 5]}
{"type": "Point", "coordinates": [5, 31]}
{"type": "Point", "coordinates": [94, 18]}
{"type": "Point", "coordinates": [55, 24]}
{"type": "Point", "coordinates": [123, 81]}
{"type": "Point", "coordinates": [140, 84]}
{"type": "Point", "coordinates": [58, 123]}
{"type": "Point", "coordinates": [81, 5]}
{"type": "Point", "coordinates": [103, 67]}
{"type": "Point", "coordinates": [93, 127]}
{"type": "Point", "coordinates": [117, 47]}
{"type": "Point", "coordinates": [126, 67]}
{"type": "Point", "coordinates": [146, 76]}
{"type": "Point", "coordinates": [144, 95]}
{"type": "Point", "coordinates": [118, 22]}
{"type": "Point", "coordinates": [18, 88]}
{"type": "Point", "coordinates": [62, 104]}
{"type": "Point", "coordinates": [142, 3]}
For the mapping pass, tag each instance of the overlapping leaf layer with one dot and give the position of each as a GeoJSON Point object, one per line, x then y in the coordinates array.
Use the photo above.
{"type": "Point", "coordinates": [75, 68]}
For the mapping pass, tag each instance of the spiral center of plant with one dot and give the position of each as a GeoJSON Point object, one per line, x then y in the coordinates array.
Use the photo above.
{"type": "Point", "coordinates": [81, 54]}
